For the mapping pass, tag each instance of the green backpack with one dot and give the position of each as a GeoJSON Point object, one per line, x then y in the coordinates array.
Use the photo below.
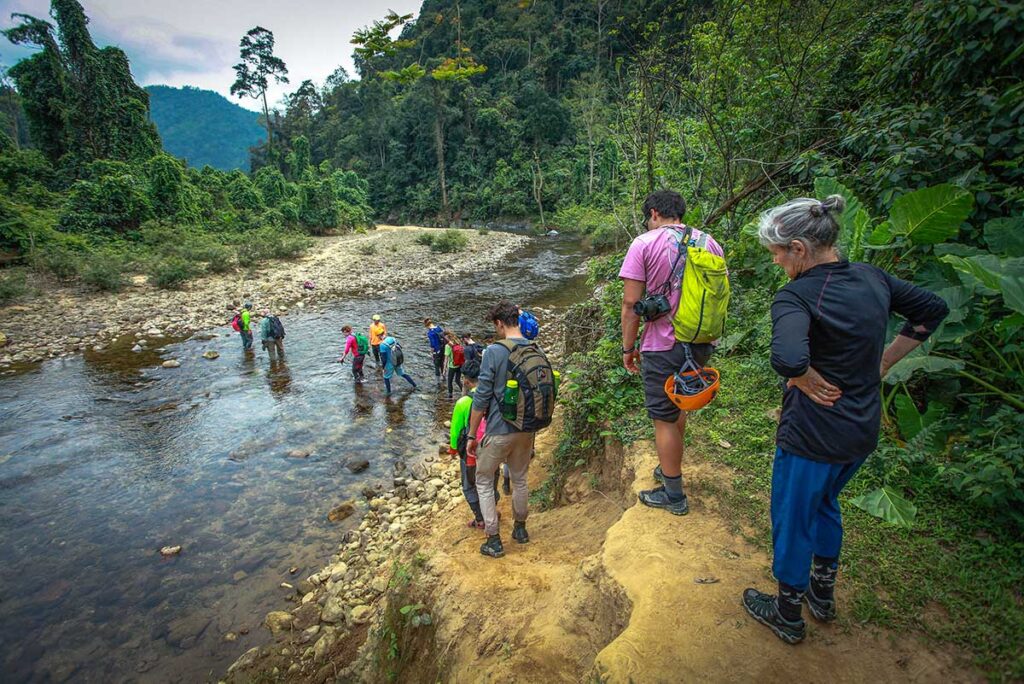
{"type": "Point", "coordinates": [362, 343]}
{"type": "Point", "coordinates": [704, 292]}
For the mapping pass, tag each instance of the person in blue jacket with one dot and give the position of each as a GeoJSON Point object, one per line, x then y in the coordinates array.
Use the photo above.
{"type": "Point", "coordinates": [388, 350]}
{"type": "Point", "coordinates": [828, 343]}
{"type": "Point", "coordinates": [435, 335]}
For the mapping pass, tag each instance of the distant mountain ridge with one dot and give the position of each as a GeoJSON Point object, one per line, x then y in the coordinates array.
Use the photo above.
{"type": "Point", "coordinates": [204, 127]}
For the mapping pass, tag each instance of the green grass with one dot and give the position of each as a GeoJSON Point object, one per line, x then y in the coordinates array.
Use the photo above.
{"type": "Point", "coordinates": [958, 575]}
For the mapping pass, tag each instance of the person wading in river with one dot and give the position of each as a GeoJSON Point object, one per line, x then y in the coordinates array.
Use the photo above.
{"type": "Point", "coordinates": [829, 327]}
{"type": "Point", "coordinates": [393, 358]}
{"type": "Point", "coordinates": [272, 335]}
{"type": "Point", "coordinates": [245, 326]}
{"type": "Point", "coordinates": [357, 348]}
{"type": "Point", "coordinates": [435, 335]}
{"type": "Point", "coordinates": [648, 266]}
{"type": "Point", "coordinates": [454, 357]}
{"type": "Point", "coordinates": [378, 331]}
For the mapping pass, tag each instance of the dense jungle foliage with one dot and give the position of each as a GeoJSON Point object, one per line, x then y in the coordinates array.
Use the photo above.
{"type": "Point", "coordinates": [203, 128]}
{"type": "Point", "coordinates": [94, 197]}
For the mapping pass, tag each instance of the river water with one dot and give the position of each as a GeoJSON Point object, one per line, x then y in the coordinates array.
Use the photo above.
{"type": "Point", "coordinates": [106, 458]}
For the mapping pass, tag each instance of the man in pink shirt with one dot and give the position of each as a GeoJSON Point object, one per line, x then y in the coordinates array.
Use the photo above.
{"type": "Point", "coordinates": [645, 270]}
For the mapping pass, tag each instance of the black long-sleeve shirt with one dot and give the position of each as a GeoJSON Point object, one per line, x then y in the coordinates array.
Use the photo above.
{"type": "Point", "coordinates": [833, 317]}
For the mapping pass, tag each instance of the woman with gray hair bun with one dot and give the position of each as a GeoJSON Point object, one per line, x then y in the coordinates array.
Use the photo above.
{"type": "Point", "coordinates": [828, 343]}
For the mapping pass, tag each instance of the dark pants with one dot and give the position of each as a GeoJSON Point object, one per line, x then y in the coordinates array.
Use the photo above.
{"type": "Point", "coordinates": [246, 339]}
{"type": "Point", "coordinates": [806, 519]}
{"type": "Point", "coordinates": [357, 366]}
{"type": "Point", "coordinates": [376, 354]}
{"type": "Point", "coordinates": [454, 373]}
{"type": "Point", "coordinates": [438, 362]}
{"type": "Point", "coordinates": [468, 480]}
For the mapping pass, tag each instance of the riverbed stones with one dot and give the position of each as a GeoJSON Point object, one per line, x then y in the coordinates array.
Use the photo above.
{"type": "Point", "coordinates": [306, 615]}
{"type": "Point", "coordinates": [299, 453]}
{"type": "Point", "coordinates": [278, 621]}
{"type": "Point", "coordinates": [341, 511]}
{"type": "Point", "coordinates": [361, 614]}
{"type": "Point", "coordinates": [245, 660]}
{"type": "Point", "coordinates": [357, 465]}
{"type": "Point", "coordinates": [333, 610]}
{"type": "Point", "coordinates": [211, 354]}
{"type": "Point", "coordinates": [338, 571]}
{"type": "Point", "coordinates": [171, 363]}
{"type": "Point", "coordinates": [170, 550]}
{"type": "Point", "coordinates": [137, 348]}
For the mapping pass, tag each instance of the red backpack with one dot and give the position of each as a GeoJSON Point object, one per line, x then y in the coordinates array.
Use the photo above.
{"type": "Point", "coordinates": [458, 355]}
{"type": "Point", "coordinates": [236, 322]}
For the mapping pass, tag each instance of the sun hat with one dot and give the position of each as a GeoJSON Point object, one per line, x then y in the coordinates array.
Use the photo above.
{"type": "Point", "coordinates": [376, 317]}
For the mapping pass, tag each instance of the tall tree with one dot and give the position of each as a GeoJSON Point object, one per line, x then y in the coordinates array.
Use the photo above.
{"type": "Point", "coordinates": [258, 66]}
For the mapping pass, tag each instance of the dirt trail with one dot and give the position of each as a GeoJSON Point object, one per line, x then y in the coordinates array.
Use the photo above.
{"type": "Point", "coordinates": [607, 590]}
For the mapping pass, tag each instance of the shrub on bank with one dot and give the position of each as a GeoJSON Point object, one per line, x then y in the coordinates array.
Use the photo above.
{"type": "Point", "coordinates": [103, 270]}
{"type": "Point", "coordinates": [171, 272]}
{"type": "Point", "coordinates": [449, 241]}
{"type": "Point", "coordinates": [12, 286]}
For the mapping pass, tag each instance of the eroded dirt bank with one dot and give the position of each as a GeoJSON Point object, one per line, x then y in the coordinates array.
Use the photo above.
{"type": "Point", "coordinates": [61, 321]}
{"type": "Point", "coordinates": [606, 590]}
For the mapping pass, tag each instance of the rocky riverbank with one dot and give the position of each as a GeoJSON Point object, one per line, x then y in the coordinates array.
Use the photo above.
{"type": "Point", "coordinates": [62, 320]}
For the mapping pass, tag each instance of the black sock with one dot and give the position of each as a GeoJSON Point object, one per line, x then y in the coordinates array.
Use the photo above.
{"type": "Point", "coordinates": [674, 488]}
{"type": "Point", "coordinates": [823, 577]}
{"type": "Point", "coordinates": [790, 602]}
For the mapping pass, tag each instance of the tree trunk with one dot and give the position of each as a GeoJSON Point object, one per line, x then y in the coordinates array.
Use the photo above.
{"type": "Point", "coordinates": [270, 135]}
{"type": "Point", "coordinates": [439, 147]}
{"type": "Point", "coordinates": [538, 187]}
{"type": "Point", "coordinates": [590, 150]}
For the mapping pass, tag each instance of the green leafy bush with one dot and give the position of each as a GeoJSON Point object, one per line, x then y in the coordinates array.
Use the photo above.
{"type": "Point", "coordinates": [12, 286]}
{"type": "Point", "coordinates": [58, 260]}
{"type": "Point", "coordinates": [170, 272]}
{"type": "Point", "coordinates": [424, 239]}
{"type": "Point", "coordinates": [270, 243]}
{"type": "Point", "coordinates": [449, 241]}
{"type": "Point", "coordinates": [367, 249]}
{"type": "Point", "coordinates": [103, 270]}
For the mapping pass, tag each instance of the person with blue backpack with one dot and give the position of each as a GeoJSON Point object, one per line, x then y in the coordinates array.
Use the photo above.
{"type": "Point", "coordinates": [435, 335]}
{"type": "Point", "coordinates": [393, 358]}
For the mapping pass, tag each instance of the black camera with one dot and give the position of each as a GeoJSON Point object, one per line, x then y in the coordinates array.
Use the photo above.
{"type": "Point", "coordinates": [652, 307]}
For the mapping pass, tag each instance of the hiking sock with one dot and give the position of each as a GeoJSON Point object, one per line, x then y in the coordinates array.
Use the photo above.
{"type": "Point", "coordinates": [674, 488]}
{"type": "Point", "coordinates": [790, 602]}
{"type": "Point", "coordinates": [823, 577]}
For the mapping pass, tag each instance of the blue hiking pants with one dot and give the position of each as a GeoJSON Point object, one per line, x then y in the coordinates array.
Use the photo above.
{"type": "Point", "coordinates": [805, 513]}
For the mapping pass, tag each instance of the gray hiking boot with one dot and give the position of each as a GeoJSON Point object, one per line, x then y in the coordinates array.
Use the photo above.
{"type": "Point", "coordinates": [658, 498]}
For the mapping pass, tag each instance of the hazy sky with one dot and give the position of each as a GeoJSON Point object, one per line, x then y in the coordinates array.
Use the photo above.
{"type": "Point", "coordinates": [195, 42]}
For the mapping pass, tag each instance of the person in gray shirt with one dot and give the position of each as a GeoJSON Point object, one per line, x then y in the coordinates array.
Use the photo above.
{"type": "Point", "coordinates": [502, 442]}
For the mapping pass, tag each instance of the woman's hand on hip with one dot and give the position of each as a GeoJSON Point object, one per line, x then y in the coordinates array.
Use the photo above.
{"type": "Point", "coordinates": [817, 388]}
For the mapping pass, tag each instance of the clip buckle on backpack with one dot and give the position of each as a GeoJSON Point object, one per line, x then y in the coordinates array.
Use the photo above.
{"type": "Point", "coordinates": [694, 386]}
{"type": "Point", "coordinates": [535, 400]}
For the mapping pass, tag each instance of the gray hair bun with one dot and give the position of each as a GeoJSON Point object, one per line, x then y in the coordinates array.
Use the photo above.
{"type": "Point", "coordinates": [833, 204]}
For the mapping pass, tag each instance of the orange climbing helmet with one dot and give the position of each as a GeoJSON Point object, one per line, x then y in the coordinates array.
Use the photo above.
{"type": "Point", "coordinates": [693, 387]}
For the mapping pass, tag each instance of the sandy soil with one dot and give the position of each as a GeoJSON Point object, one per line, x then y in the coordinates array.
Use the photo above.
{"type": "Point", "coordinates": [64, 320]}
{"type": "Point", "coordinates": [617, 592]}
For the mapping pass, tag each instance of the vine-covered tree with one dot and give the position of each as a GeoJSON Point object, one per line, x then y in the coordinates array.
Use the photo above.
{"type": "Point", "coordinates": [258, 66]}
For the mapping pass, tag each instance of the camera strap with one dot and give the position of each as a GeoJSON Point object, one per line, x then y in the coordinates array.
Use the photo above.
{"type": "Point", "coordinates": [676, 274]}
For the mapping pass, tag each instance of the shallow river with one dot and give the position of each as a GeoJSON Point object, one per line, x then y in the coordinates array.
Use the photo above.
{"type": "Point", "coordinates": [106, 458]}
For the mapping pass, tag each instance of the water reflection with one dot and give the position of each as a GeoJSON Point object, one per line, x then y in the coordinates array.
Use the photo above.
{"type": "Point", "coordinates": [279, 377]}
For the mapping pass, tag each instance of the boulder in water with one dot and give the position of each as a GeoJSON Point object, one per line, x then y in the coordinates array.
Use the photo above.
{"type": "Point", "coordinates": [170, 550]}
{"type": "Point", "coordinates": [171, 363]}
{"type": "Point", "coordinates": [210, 354]}
{"type": "Point", "coordinates": [341, 511]}
{"type": "Point", "coordinates": [358, 465]}
{"type": "Point", "coordinates": [278, 621]}
{"type": "Point", "coordinates": [137, 348]}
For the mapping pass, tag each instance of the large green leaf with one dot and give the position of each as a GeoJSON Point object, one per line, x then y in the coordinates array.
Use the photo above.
{"type": "Point", "coordinates": [886, 504]}
{"type": "Point", "coordinates": [902, 370]}
{"type": "Point", "coordinates": [911, 423]}
{"type": "Point", "coordinates": [1005, 276]}
{"type": "Point", "coordinates": [931, 215]}
{"type": "Point", "coordinates": [1005, 236]}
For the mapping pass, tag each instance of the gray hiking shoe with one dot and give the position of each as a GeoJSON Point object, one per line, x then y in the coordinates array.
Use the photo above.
{"type": "Point", "coordinates": [658, 498]}
{"type": "Point", "coordinates": [822, 609]}
{"type": "Point", "coordinates": [765, 609]}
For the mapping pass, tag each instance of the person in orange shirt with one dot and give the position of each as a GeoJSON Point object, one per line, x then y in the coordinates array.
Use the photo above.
{"type": "Point", "coordinates": [378, 331]}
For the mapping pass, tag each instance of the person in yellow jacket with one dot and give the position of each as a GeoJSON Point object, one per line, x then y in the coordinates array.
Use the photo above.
{"type": "Point", "coordinates": [378, 331]}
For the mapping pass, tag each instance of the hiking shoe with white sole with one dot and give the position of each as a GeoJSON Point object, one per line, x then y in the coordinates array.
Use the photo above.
{"type": "Point", "coordinates": [822, 609]}
{"type": "Point", "coordinates": [493, 547]}
{"type": "Point", "coordinates": [765, 609]}
{"type": "Point", "coordinates": [658, 498]}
